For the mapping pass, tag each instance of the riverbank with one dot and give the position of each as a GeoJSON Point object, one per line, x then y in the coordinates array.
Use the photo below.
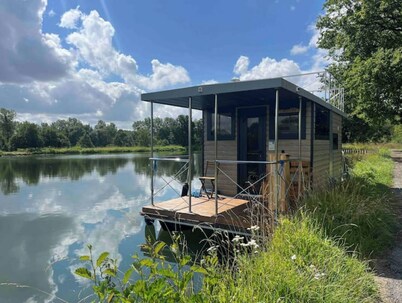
{"type": "Point", "coordinates": [92, 150]}
{"type": "Point", "coordinates": [320, 253]}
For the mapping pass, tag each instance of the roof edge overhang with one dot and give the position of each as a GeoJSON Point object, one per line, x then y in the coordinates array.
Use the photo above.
{"type": "Point", "coordinates": [179, 97]}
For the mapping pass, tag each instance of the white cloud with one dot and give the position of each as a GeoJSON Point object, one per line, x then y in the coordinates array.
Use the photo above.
{"type": "Point", "coordinates": [299, 49]}
{"type": "Point", "coordinates": [75, 81]}
{"type": "Point", "coordinates": [211, 81]}
{"type": "Point", "coordinates": [25, 52]}
{"type": "Point", "coordinates": [164, 75]}
{"type": "Point", "coordinates": [70, 18]}
{"type": "Point", "coordinates": [267, 68]}
{"type": "Point", "coordinates": [51, 13]}
{"type": "Point", "coordinates": [270, 68]}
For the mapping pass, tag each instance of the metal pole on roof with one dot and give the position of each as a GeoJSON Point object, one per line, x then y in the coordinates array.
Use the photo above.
{"type": "Point", "coordinates": [276, 153]}
{"type": "Point", "coordinates": [152, 153]}
{"type": "Point", "coordinates": [190, 153]}
{"type": "Point", "coordinates": [216, 152]}
{"type": "Point", "coordinates": [300, 147]}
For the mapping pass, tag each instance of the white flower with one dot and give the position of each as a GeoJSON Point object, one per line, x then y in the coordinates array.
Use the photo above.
{"type": "Point", "coordinates": [293, 257]}
{"type": "Point", "coordinates": [318, 275]}
{"type": "Point", "coordinates": [213, 248]}
{"type": "Point", "coordinates": [237, 238]}
{"type": "Point", "coordinates": [254, 227]}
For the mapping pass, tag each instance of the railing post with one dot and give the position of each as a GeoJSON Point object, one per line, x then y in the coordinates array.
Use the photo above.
{"type": "Point", "coordinates": [331, 142]}
{"type": "Point", "coordinates": [190, 156]}
{"type": "Point", "coordinates": [276, 154]}
{"type": "Point", "coordinates": [300, 150]}
{"type": "Point", "coordinates": [152, 153]}
{"type": "Point", "coordinates": [216, 153]}
{"type": "Point", "coordinates": [285, 180]}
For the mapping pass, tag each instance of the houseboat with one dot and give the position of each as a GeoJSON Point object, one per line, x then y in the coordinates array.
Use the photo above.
{"type": "Point", "coordinates": [265, 142]}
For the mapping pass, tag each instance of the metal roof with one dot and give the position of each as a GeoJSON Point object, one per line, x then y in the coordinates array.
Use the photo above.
{"type": "Point", "coordinates": [234, 94]}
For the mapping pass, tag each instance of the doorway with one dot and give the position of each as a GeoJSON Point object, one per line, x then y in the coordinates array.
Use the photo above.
{"type": "Point", "coordinates": [251, 143]}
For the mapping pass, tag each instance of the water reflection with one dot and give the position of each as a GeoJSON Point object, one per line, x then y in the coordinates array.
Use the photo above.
{"type": "Point", "coordinates": [27, 245]}
{"type": "Point", "coordinates": [30, 170]}
{"type": "Point", "coordinates": [52, 207]}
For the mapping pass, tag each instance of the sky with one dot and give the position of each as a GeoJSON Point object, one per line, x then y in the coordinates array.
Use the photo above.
{"type": "Point", "coordinates": [92, 59]}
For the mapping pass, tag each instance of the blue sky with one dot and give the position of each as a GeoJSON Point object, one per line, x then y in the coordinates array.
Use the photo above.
{"type": "Point", "coordinates": [93, 59]}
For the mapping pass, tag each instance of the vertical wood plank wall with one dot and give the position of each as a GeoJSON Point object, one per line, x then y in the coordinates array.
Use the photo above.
{"type": "Point", "coordinates": [321, 160]}
{"type": "Point", "coordinates": [227, 150]}
{"type": "Point", "coordinates": [337, 129]}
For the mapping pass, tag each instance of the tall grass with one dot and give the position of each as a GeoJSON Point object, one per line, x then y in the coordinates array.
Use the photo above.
{"type": "Point", "coordinates": [355, 213]}
{"type": "Point", "coordinates": [301, 265]}
{"type": "Point", "coordinates": [358, 211]}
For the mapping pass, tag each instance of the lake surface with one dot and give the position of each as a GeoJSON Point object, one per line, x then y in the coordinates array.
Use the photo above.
{"type": "Point", "coordinates": [52, 207]}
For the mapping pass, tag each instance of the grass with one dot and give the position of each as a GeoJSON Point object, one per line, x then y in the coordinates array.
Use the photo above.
{"type": "Point", "coordinates": [301, 265]}
{"type": "Point", "coordinates": [358, 211]}
{"type": "Point", "coordinates": [94, 150]}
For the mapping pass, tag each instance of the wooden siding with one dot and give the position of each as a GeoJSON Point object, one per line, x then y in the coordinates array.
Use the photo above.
{"type": "Point", "coordinates": [227, 150]}
{"type": "Point", "coordinates": [322, 148]}
{"type": "Point", "coordinates": [337, 129]}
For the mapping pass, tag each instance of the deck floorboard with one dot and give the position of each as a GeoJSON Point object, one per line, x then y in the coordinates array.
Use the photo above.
{"type": "Point", "coordinates": [231, 211]}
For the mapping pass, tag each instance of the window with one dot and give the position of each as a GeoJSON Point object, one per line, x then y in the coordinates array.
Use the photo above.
{"type": "Point", "coordinates": [321, 126]}
{"type": "Point", "coordinates": [288, 124]}
{"type": "Point", "coordinates": [335, 141]}
{"type": "Point", "coordinates": [225, 124]}
{"type": "Point", "coordinates": [288, 121]}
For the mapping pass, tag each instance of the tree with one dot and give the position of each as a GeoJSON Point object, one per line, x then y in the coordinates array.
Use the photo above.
{"type": "Point", "coordinates": [85, 141]}
{"type": "Point", "coordinates": [122, 138]}
{"type": "Point", "coordinates": [26, 136]}
{"type": "Point", "coordinates": [364, 39]}
{"type": "Point", "coordinates": [51, 137]}
{"type": "Point", "coordinates": [7, 124]}
{"type": "Point", "coordinates": [142, 131]}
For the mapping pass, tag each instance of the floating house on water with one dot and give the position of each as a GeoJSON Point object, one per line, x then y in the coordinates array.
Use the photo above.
{"type": "Point", "coordinates": [274, 139]}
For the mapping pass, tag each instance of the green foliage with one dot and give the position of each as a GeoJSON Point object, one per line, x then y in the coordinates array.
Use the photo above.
{"type": "Point", "coordinates": [7, 124]}
{"type": "Point", "coordinates": [73, 133]}
{"type": "Point", "coordinates": [301, 265]}
{"type": "Point", "coordinates": [375, 169]}
{"type": "Point", "coordinates": [156, 280]}
{"type": "Point", "coordinates": [26, 136]}
{"type": "Point", "coordinates": [397, 134]}
{"type": "Point", "coordinates": [85, 141]}
{"type": "Point", "coordinates": [354, 212]}
{"type": "Point", "coordinates": [298, 265]}
{"type": "Point", "coordinates": [359, 211]}
{"type": "Point", "coordinates": [364, 39]}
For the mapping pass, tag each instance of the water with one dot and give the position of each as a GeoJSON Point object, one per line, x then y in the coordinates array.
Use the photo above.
{"type": "Point", "coordinates": [51, 207]}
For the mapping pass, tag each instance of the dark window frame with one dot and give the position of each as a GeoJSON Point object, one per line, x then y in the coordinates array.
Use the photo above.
{"type": "Point", "coordinates": [321, 123]}
{"type": "Point", "coordinates": [210, 122]}
{"type": "Point", "coordinates": [288, 109]}
{"type": "Point", "coordinates": [335, 141]}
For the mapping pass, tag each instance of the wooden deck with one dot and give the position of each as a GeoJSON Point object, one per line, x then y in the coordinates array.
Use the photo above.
{"type": "Point", "coordinates": [231, 212]}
